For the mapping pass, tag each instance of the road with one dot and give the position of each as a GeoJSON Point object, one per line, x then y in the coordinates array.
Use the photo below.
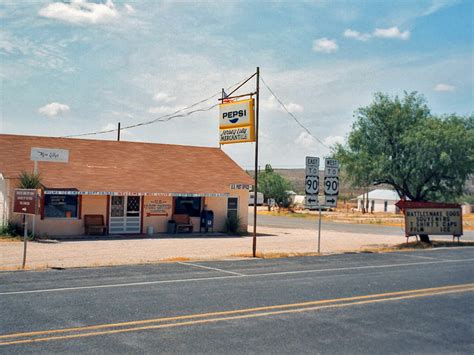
{"type": "Point", "coordinates": [311, 223]}
{"type": "Point", "coordinates": [410, 302]}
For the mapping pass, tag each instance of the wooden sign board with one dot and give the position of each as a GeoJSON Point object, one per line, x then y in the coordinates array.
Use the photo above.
{"type": "Point", "coordinates": [24, 201]}
{"type": "Point", "coordinates": [433, 221]}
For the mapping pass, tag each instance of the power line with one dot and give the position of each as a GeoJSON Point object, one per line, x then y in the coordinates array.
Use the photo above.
{"type": "Point", "coordinates": [163, 118]}
{"type": "Point", "coordinates": [292, 115]}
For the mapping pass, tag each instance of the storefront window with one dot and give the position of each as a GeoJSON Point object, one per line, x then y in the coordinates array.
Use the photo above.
{"type": "Point", "coordinates": [188, 205]}
{"type": "Point", "coordinates": [60, 206]}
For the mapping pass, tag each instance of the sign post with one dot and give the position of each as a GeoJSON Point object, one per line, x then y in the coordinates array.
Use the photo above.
{"type": "Point", "coordinates": [51, 155]}
{"type": "Point", "coordinates": [238, 123]}
{"type": "Point", "coordinates": [25, 203]}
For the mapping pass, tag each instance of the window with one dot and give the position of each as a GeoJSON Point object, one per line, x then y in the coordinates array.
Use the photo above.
{"type": "Point", "coordinates": [60, 206]}
{"type": "Point", "coordinates": [188, 205]}
{"type": "Point", "coordinates": [232, 207]}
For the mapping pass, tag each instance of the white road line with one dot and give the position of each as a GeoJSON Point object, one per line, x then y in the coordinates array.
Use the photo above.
{"type": "Point", "coordinates": [420, 256]}
{"type": "Point", "coordinates": [232, 276]}
{"type": "Point", "coordinates": [212, 268]}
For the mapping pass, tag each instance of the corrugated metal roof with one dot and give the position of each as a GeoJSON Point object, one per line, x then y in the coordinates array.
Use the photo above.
{"type": "Point", "coordinates": [99, 165]}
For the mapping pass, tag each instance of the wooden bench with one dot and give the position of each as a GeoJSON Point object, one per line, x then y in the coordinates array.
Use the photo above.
{"type": "Point", "coordinates": [94, 224]}
{"type": "Point", "coordinates": [183, 222]}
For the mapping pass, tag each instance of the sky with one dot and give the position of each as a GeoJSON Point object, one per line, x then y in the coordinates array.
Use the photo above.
{"type": "Point", "coordinates": [74, 67]}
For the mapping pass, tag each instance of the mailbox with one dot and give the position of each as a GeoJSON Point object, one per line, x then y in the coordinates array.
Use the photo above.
{"type": "Point", "coordinates": [207, 221]}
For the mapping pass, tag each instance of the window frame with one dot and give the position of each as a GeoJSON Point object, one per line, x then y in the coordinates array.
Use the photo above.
{"type": "Point", "coordinates": [236, 209]}
{"type": "Point", "coordinates": [196, 213]}
{"type": "Point", "coordinates": [77, 205]}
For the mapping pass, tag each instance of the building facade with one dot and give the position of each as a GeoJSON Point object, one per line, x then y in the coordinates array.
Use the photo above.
{"type": "Point", "coordinates": [136, 187]}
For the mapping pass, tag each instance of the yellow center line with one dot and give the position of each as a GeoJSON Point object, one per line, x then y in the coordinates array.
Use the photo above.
{"type": "Point", "coordinates": [230, 315]}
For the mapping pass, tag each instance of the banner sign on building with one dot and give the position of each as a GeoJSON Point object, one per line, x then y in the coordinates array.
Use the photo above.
{"type": "Point", "coordinates": [237, 122]}
{"type": "Point", "coordinates": [53, 155]}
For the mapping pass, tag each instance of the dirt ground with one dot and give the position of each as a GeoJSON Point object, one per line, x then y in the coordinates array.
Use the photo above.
{"type": "Point", "coordinates": [270, 242]}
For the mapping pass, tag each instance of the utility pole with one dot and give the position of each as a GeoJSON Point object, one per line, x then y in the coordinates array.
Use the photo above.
{"type": "Point", "coordinates": [118, 133]}
{"type": "Point", "coordinates": [254, 247]}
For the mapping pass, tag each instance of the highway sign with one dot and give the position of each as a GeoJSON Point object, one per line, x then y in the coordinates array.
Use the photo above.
{"type": "Point", "coordinates": [311, 201]}
{"type": "Point", "coordinates": [312, 166]}
{"type": "Point", "coordinates": [329, 171]}
{"type": "Point", "coordinates": [331, 163]}
{"type": "Point", "coordinates": [330, 201]}
{"type": "Point", "coordinates": [24, 201]}
{"type": "Point", "coordinates": [312, 185]}
{"type": "Point", "coordinates": [331, 185]}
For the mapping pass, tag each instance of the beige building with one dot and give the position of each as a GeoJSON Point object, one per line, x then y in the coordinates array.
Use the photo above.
{"type": "Point", "coordinates": [136, 187]}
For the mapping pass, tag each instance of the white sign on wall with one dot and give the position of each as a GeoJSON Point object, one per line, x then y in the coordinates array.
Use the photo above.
{"type": "Point", "coordinates": [47, 154]}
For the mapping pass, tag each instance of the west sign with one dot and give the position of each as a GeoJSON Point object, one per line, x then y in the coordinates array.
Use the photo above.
{"type": "Point", "coordinates": [236, 122]}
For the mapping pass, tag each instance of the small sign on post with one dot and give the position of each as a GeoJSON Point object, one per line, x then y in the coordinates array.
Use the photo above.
{"type": "Point", "coordinates": [24, 202]}
{"type": "Point", "coordinates": [312, 182]}
{"type": "Point", "coordinates": [331, 182]}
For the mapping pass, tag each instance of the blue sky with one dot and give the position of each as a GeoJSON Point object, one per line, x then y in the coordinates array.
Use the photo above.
{"type": "Point", "coordinates": [82, 66]}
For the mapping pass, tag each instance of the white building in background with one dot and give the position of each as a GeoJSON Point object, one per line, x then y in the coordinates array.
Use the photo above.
{"type": "Point", "coordinates": [380, 200]}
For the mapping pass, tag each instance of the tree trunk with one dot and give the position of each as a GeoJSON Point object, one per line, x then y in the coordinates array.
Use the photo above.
{"type": "Point", "coordinates": [425, 238]}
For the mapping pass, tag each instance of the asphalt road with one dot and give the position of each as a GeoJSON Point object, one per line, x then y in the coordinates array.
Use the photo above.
{"type": "Point", "coordinates": [411, 302]}
{"type": "Point", "coordinates": [312, 223]}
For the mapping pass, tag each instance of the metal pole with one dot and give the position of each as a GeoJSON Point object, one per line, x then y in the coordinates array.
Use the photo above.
{"type": "Point", "coordinates": [25, 238]}
{"type": "Point", "coordinates": [118, 133]}
{"type": "Point", "coordinates": [33, 224]}
{"type": "Point", "coordinates": [254, 246]}
{"type": "Point", "coordinates": [319, 231]}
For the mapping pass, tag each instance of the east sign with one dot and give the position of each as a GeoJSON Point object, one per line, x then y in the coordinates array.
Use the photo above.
{"type": "Point", "coordinates": [237, 122]}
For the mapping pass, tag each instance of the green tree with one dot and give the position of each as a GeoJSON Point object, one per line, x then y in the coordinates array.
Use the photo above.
{"type": "Point", "coordinates": [273, 185]}
{"type": "Point", "coordinates": [400, 143]}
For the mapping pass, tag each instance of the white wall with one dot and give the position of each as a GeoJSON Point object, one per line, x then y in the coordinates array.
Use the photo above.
{"type": "Point", "coordinates": [378, 205]}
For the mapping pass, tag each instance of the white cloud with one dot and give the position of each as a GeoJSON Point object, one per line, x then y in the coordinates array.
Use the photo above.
{"type": "Point", "coordinates": [357, 35]}
{"type": "Point", "coordinates": [53, 109]}
{"type": "Point", "coordinates": [81, 11]}
{"type": "Point", "coordinates": [163, 97]}
{"type": "Point", "coordinates": [325, 45]}
{"type": "Point", "coordinates": [437, 5]}
{"type": "Point", "coordinates": [392, 32]}
{"type": "Point", "coordinates": [331, 140]}
{"type": "Point", "coordinates": [294, 108]}
{"type": "Point", "coordinates": [272, 104]}
{"type": "Point", "coordinates": [129, 9]}
{"type": "Point", "coordinates": [306, 141]}
{"type": "Point", "coordinates": [164, 110]}
{"type": "Point", "coordinates": [444, 87]}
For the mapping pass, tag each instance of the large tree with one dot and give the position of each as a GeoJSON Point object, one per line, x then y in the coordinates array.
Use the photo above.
{"type": "Point", "coordinates": [400, 143]}
{"type": "Point", "coordinates": [273, 185]}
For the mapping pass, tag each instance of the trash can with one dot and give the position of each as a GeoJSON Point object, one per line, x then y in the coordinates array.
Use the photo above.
{"type": "Point", "coordinates": [150, 231]}
{"type": "Point", "coordinates": [171, 227]}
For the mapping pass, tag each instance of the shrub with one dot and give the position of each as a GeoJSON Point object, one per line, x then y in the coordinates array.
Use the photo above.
{"type": "Point", "coordinates": [12, 229]}
{"type": "Point", "coordinates": [232, 225]}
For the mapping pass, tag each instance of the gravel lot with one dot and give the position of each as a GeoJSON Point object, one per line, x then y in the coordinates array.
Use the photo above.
{"type": "Point", "coordinates": [136, 250]}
